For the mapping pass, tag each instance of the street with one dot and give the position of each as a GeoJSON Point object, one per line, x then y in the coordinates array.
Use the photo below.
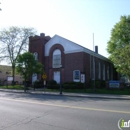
{"type": "Point", "coordinates": [24, 111]}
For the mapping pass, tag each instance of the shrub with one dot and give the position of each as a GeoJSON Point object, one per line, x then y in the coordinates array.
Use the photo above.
{"type": "Point", "coordinates": [79, 85]}
{"type": "Point", "coordinates": [38, 84]}
{"type": "Point", "coordinates": [98, 83]}
{"type": "Point", "coordinates": [51, 83]}
{"type": "Point", "coordinates": [67, 86]}
{"type": "Point", "coordinates": [53, 86]}
{"type": "Point", "coordinates": [73, 85]}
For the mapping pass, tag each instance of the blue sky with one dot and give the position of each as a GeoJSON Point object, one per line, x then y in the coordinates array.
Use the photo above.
{"type": "Point", "coordinates": [75, 20]}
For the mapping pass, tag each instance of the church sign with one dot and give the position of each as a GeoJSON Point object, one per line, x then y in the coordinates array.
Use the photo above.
{"type": "Point", "coordinates": [114, 84]}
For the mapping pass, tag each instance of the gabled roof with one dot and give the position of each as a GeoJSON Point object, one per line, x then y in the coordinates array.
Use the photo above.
{"type": "Point", "coordinates": [70, 47]}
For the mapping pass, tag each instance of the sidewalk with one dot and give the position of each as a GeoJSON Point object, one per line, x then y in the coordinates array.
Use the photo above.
{"type": "Point", "coordinates": [82, 95]}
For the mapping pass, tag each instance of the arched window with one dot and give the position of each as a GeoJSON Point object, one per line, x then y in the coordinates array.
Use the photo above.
{"type": "Point", "coordinates": [36, 55]}
{"type": "Point", "coordinates": [56, 61]}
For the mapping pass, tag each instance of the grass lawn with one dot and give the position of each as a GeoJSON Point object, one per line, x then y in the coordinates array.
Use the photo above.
{"type": "Point", "coordinates": [19, 87]}
{"type": "Point", "coordinates": [125, 91]}
{"type": "Point", "coordinates": [102, 91]}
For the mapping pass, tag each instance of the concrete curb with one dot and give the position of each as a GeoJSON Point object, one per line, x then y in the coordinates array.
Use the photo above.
{"type": "Point", "coordinates": [81, 95]}
{"type": "Point", "coordinates": [123, 97]}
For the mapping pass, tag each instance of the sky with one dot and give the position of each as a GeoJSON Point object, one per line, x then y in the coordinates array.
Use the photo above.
{"type": "Point", "coordinates": [76, 20]}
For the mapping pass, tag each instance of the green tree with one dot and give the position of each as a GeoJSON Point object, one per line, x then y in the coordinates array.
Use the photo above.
{"type": "Point", "coordinates": [119, 45]}
{"type": "Point", "coordinates": [13, 42]}
{"type": "Point", "coordinates": [27, 65]}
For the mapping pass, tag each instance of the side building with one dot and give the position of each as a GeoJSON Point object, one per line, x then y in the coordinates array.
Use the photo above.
{"type": "Point", "coordinates": [64, 60]}
{"type": "Point", "coordinates": [5, 72]}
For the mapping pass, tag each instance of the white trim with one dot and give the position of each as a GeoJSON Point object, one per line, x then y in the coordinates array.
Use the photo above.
{"type": "Point", "coordinates": [88, 52]}
{"type": "Point", "coordinates": [57, 52]}
{"type": "Point", "coordinates": [70, 47]}
{"type": "Point", "coordinates": [74, 51]}
{"type": "Point", "coordinates": [56, 60]}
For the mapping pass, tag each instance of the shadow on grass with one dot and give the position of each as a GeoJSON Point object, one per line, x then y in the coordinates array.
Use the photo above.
{"type": "Point", "coordinates": [125, 91]}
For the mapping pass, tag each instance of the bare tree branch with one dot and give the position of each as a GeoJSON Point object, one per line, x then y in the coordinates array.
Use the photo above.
{"type": "Point", "coordinates": [13, 42]}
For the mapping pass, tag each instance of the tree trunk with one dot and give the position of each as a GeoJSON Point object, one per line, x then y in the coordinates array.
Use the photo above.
{"type": "Point", "coordinates": [13, 73]}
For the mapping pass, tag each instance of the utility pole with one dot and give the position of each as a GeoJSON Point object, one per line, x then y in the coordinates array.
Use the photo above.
{"type": "Point", "coordinates": [93, 66]}
{"type": "Point", "coordinates": [0, 8]}
{"type": "Point", "coordinates": [61, 80]}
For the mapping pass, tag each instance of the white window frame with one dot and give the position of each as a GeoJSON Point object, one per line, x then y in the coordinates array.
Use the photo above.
{"type": "Point", "coordinates": [35, 55]}
{"type": "Point", "coordinates": [56, 60]}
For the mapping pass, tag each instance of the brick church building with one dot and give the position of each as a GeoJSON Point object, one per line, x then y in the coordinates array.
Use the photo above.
{"type": "Point", "coordinates": [66, 61]}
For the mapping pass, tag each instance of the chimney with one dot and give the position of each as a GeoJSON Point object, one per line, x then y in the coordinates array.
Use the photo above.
{"type": "Point", "coordinates": [42, 34]}
{"type": "Point", "coordinates": [96, 49]}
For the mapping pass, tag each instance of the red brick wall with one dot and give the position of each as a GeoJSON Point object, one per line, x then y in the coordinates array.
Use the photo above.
{"type": "Point", "coordinates": [72, 61]}
{"type": "Point", "coordinates": [102, 62]}
{"type": "Point", "coordinates": [87, 66]}
{"type": "Point", "coordinates": [37, 44]}
{"type": "Point", "coordinates": [75, 61]}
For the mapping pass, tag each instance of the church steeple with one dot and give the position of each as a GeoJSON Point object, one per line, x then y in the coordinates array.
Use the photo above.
{"type": "Point", "coordinates": [37, 45]}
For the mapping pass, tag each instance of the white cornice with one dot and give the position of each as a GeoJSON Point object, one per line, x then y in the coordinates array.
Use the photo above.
{"type": "Point", "coordinates": [70, 47]}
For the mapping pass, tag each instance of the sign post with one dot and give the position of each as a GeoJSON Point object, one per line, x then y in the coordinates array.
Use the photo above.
{"type": "Point", "coordinates": [44, 76]}
{"type": "Point", "coordinates": [114, 84]}
{"type": "Point", "coordinates": [82, 78]}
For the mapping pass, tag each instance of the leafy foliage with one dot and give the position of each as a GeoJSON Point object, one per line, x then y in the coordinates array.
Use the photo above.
{"type": "Point", "coordinates": [14, 41]}
{"type": "Point", "coordinates": [119, 45]}
{"type": "Point", "coordinates": [27, 65]}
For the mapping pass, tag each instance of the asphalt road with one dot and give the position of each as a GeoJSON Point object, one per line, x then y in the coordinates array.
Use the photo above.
{"type": "Point", "coordinates": [19, 111]}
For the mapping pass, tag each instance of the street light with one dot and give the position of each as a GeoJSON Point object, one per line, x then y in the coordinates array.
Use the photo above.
{"type": "Point", "coordinates": [93, 72]}
{"type": "Point", "coordinates": [25, 70]}
{"type": "Point", "coordinates": [25, 85]}
{"type": "Point", "coordinates": [61, 80]}
{"type": "Point", "coordinates": [0, 80]}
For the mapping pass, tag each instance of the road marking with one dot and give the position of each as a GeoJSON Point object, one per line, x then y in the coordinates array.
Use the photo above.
{"type": "Point", "coordinates": [66, 106]}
